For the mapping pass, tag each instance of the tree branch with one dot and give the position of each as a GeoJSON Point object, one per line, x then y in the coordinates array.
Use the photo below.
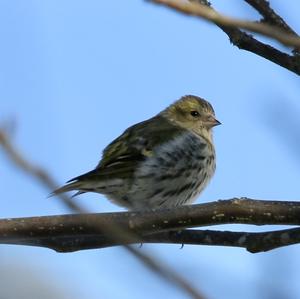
{"type": "Point", "coordinates": [66, 233]}
{"type": "Point", "coordinates": [252, 242]}
{"type": "Point", "coordinates": [248, 43]}
{"type": "Point", "coordinates": [269, 15]}
{"type": "Point", "coordinates": [200, 10]}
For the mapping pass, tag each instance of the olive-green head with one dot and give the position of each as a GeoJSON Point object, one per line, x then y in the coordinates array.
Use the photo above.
{"type": "Point", "coordinates": [192, 113]}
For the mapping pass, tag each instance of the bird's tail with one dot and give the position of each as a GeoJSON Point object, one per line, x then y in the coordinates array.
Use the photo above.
{"type": "Point", "coordinates": [81, 184]}
{"type": "Point", "coordinates": [68, 187]}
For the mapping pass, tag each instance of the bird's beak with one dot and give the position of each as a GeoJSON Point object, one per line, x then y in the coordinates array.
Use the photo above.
{"type": "Point", "coordinates": [212, 122]}
{"type": "Point", "coordinates": [217, 123]}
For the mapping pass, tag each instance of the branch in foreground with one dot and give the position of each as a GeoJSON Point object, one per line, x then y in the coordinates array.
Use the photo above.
{"type": "Point", "coordinates": [36, 172]}
{"type": "Point", "coordinates": [82, 231]}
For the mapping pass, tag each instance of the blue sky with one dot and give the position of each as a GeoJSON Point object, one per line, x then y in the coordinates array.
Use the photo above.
{"type": "Point", "coordinates": [74, 75]}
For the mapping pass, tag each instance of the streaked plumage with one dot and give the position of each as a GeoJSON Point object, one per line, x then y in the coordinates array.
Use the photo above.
{"type": "Point", "coordinates": [164, 161]}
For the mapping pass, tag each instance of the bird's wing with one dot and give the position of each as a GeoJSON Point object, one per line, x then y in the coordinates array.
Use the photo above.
{"type": "Point", "coordinates": [125, 153]}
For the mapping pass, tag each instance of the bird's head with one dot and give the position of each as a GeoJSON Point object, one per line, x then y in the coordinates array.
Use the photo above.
{"type": "Point", "coordinates": [192, 113]}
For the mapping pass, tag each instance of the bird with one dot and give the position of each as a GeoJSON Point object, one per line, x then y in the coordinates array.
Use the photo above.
{"type": "Point", "coordinates": [163, 162]}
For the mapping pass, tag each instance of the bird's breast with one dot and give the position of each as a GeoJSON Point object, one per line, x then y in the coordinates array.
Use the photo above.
{"type": "Point", "coordinates": [186, 152]}
{"type": "Point", "coordinates": [177, 171]}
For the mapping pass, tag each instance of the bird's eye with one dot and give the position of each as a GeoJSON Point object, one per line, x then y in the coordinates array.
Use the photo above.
{"type": "Point", "coordinates": [195, 113]}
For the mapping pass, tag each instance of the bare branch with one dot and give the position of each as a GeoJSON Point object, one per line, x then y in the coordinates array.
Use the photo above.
{"type": "Point", "coordinates": [253, 242]}
{"type": "Point", "coordinates": [66, 233]}
{"type": "Point", "coordinates": [270, 16]}
{"type": "Point", "coordinates": [200, 10]}
{"type": "Point", "coordinates": [247, 42]}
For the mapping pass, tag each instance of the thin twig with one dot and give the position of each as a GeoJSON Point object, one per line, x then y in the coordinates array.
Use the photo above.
{"type": "Point", "coordinates": [36, 172]}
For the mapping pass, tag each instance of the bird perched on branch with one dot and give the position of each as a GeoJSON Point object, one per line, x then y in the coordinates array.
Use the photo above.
{"type": "Point", "coordinates": [163, 162]}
